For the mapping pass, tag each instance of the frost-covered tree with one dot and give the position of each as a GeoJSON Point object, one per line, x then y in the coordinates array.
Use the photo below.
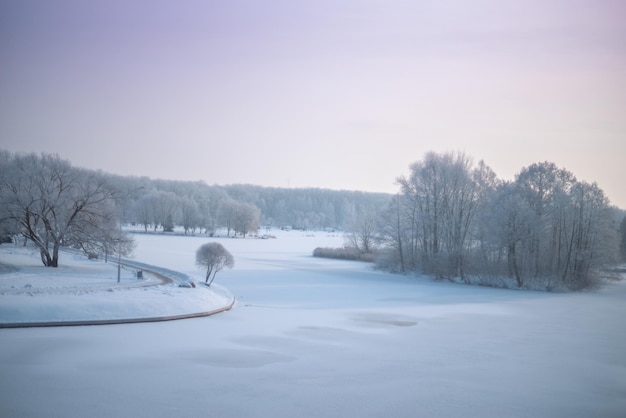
{"type": "Point", "coordinates": [566, 225]}
{"type": "Point", "coordinates": [622, 234]}
{"type": "Point", "coordinates": [208, 206]}
{"type": "Point", "coordinates": [441, 196]}
{"type": "Point", "coordinates": [143, 211]}
{"type": "Point", "coordinates": [189, 214]}
{"type": "Point", "coordinates": [214, 257]}
{"type": "Point", "coordinates": [544, 229]}
{"type": "Point", "coordinates": [53, 204]}
{"type": "Point", "coordinates": [391, 236]}
{"type": "Point", "coordinates": [166, 210]}
{"type": "Point", "coordinates": [9, 225]}
{"type": "Point", "coordinates": [246, 218]}
{"type": "Point", "coordinates": [158, 208]}
{"type": "Point", "coordinates": [503, 227]}
{"type": "Point", "coordinates": [106, 238]}
{"type": "Point", "coordinates": [227, 213]}
{"type": "Point", "coordinates": [362, 233]}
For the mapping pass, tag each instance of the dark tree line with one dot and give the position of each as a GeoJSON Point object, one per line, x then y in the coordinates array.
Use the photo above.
{"type": "Point", "coordinates": [455, 219]}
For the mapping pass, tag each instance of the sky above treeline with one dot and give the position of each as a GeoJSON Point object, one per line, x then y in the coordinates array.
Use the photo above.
{"type": "Point", "coordinates": [331, 94]}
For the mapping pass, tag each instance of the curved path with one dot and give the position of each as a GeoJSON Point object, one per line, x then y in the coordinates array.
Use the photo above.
{"type": "Point", "coordinates": [118, 321]}
{"type": "Point", "coordinates": [165, 276]}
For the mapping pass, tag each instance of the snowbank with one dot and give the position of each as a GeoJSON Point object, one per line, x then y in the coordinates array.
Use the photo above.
{"type": "Point", "coordinates": [87, 290]}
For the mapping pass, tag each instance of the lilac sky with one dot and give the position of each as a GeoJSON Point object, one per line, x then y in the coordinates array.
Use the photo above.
{"type": "Point", "coordinates": [333, 94]}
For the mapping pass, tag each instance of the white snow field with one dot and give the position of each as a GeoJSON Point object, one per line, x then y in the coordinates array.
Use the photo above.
{"type": "Point", "coordinates": [86, 290]}
{"type": "Point", "coordinates": [322, 338]}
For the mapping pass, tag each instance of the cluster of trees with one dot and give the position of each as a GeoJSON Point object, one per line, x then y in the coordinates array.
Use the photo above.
{"type": "Point", "coordinates": [159, 209]}
{"type": "Point", "coordinates": [199, 207]}
{"type": "Point", "coordinates": [51, 203]}
{"type": "Point", "coordinates": [241, 217]}
{"type": "Point", "coordinates": [47, 201]}
{"type": "Point", "coordinates": [451, 219]}
{"type": "Point", "coordinates": [455, 219]}
{"type": "Point", "coordinates": [309, 208]}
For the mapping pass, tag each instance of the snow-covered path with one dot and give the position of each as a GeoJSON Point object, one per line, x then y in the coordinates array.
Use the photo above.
{"type": "Point", "coordinates": [322, 338]}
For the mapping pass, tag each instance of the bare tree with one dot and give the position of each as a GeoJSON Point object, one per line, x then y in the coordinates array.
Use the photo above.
{"type": "Point", "coordinates": [441, 196]}
{"type": "Point", "coordinates": [166, 205]}
{"type": "Point", "coordinates": [546, 229]}
{"type": "Point", "coordinates": [226, 214]}
{"type": "Point", "coordinates": [189, 214]}
{"type": "Point", "coordinates": [622, 243]}
{"type": "Point", "coordinates": [55, 204]}
{"type": "Point", "coordinates": [362, 233]}
{"type": "Point", "coordinates": [246, 218]}
{"type": "Point", "coordinates": [143, 209]}
{"type": "Point", "coordinates": [504, 225]}
{"type": "Point", "coordinates": [214, 257]}
{"type": "Point", "coordinates": [102, 237]}
{"type": "Point", "coordinates": [9, 224]}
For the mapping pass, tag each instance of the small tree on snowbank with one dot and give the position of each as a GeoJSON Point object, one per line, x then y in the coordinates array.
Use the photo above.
{"type": "Point", "coordinates": [214, 257]}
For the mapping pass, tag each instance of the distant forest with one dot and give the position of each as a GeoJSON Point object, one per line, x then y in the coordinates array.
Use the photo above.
{"type": "Point", "coordinates": [199, 207]}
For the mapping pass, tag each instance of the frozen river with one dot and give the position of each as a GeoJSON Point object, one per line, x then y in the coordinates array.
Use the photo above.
{"type": "Point", "coordinates": [321, 338]}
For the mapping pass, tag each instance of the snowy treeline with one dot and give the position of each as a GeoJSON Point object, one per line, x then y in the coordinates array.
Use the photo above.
{"type": "Point", "coordinates": [455, 219]}
{"type": "Point", "coordinates": [452, 218]}
{"type": "Point", "coordinates": [309, 208]}
{"type": "Point", "coordinates": [199, 207]}
{"type": "Point", "coordinates": [52, 203]}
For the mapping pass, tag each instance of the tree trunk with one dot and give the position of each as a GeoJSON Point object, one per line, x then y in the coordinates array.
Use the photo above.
{"type": "Point", "coordinates": [55, 255]}
{"type": "Point", "coordinates": [212, 278]}
{"type": "Point", "coordinates": [512, 257]}
{"type": "Point", "coordinates": [45, 257]}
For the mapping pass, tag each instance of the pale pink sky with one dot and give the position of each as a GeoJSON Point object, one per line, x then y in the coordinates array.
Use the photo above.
{"type": "Point", "coordinates": [337, 94]}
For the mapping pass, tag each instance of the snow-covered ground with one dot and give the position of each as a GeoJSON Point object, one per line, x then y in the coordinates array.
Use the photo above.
{"type": "Point", "coordinates": [326, 338]}
{"type": "Point", "coordinates": [87, 290]}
